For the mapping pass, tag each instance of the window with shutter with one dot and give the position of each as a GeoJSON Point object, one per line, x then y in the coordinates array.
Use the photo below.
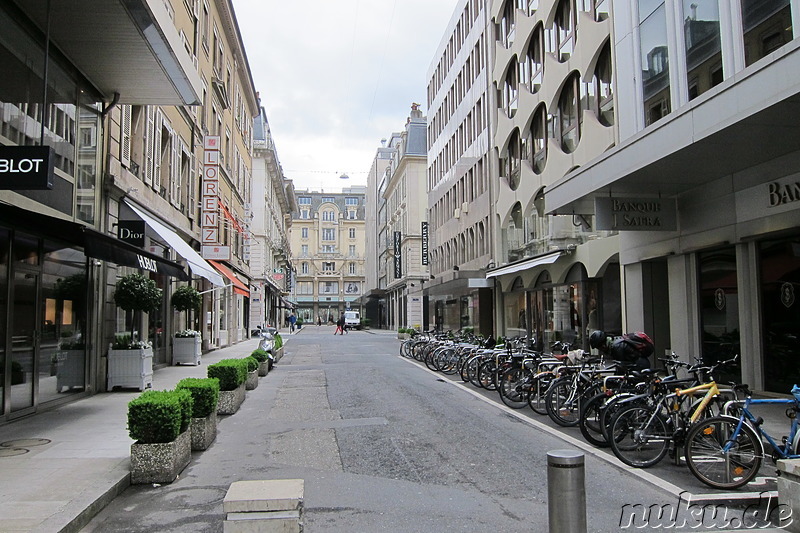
{"type": "Point", "coordinates": [125, 123]}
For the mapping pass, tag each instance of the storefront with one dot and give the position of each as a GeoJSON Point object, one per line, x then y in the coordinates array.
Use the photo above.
{"type": "Point", "coordinates": [460, 300]}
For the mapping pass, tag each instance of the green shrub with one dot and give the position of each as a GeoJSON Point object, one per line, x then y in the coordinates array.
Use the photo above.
{"type": "Point", "coordinates": [252, 363]}
{"type": "Point", "coordinates": [401, 330]}
{"type": "Point", "coordinates": [259, 355]}
{"type": "Point", "coordinates": [158, 416]}
{"type": "Point", "coordinates": [277, 341]}
{"type": "Point", "coordinates": [205, 395]}
{"type": "Point", "coordinates": [187, 407]}
{"type": "Point", "coordinates": [186, 298]}
{"type": "Point", "coordinates": [230, 372]}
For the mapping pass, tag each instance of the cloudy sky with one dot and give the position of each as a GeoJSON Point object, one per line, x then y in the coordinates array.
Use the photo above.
{"type": "Point", "coordinates": [336, 77]}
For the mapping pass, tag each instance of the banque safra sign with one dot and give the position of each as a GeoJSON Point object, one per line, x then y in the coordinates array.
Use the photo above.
{"type": "Point", "coordinates": [635, 214]}
{"type": "Point", "coordinates": [26, 167]}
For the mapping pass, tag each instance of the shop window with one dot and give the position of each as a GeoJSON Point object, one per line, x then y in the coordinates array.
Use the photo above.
{"type": "Point", "coordinates": [780, 313]}
{"type": "Point", "coordinates": [539, 140]}
{"type": "Point", "coordinates": [719, 309]}
{"type": "Point", "coordinates": [535, 59]}
{"type": "Point", "coordinates": [565, 29]}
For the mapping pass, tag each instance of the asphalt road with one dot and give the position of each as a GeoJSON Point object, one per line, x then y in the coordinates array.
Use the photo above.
{"type": "Point", "coordinates": [383, 445]}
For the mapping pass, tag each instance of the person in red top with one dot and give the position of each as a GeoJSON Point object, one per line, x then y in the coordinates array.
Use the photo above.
{"type": "Point", "coordinates": [339, 326]}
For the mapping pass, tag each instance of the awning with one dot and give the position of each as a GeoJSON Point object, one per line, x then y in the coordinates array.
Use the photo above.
{"type": "Point", "coordinates": [238, 286]}
{"type": "Point", "coordinates": [94, 243]}
{"type": "Point", "coordinates": [525, 264]}
{"type": "Point", "coordinates": [198, 265]}
{"type": "Point", "coordinates": [287, 304]}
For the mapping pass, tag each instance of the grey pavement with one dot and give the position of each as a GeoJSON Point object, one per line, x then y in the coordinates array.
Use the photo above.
{"type": "Point", "coordinates": [78, 455]}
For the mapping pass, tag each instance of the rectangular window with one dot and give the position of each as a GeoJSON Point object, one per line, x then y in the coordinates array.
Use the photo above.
{"type": "Point", "coordinates": [304, 214]}
{"type": "Point", "coordinates": [304, 250]}
{"type": "Point", "coordinates": [655, 64]}
{"type": "Point", "coordinates": [304, 200]}
{"type": "Point", "coordinates": [328, 266]}
{"type": "Point", "coordinates": [350, 201]}
{"type": "Point", "coordinates": [767, 26]}
{"type": "Point", "coordinates": [703, 44]}
{"type": "Point", "coordinates": [329, 199]}
{"type": "Point", "coordinates": [352, 268]}
{"type": "Point", "coordinates": [328, 249]}
{"type": "Point", "coordinates": [352, 233]}
{"type": "Point", "coordinates": [328, 234]}
{"type": "Point", "coordinates": [304, 233]}
{"type": "Point", "coordinates": [351, 250]}
{"type": "Point", "coordinates": [304, 268]}
{"type": "Point", "coordinates": [329, 287]}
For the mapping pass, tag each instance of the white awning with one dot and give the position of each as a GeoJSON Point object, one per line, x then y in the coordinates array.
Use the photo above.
{"type": "Point", "coordinates": [198, 265]}
{"type": "Point", "coordinates": [545, 259]}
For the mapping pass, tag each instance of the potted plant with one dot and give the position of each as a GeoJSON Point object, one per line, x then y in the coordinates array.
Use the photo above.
{"type": "Point", "coordinates": [402, 334]}
{"type": "Point", "coordinates": [130, 361]}
{"type": "Point", "coordinates": [186, 344]}
{"type": "Point", "coordinates": [277, 349]}
{"type": "Point", "coordinates": [205, 396]}
{"type": "Point", "coordinates": [252, 373]}
{"type": "Point", "coordinates": [157, 421]}
{"type": "Point", "coordinates": [263, 361]}
{"type": "Point", "coordinates": [232, 374]}
{"type": "Point", "coordinates": [299, 323]}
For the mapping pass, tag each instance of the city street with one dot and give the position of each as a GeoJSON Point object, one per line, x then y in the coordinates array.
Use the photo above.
{"type": "Point", "coordinates": [383, 445]}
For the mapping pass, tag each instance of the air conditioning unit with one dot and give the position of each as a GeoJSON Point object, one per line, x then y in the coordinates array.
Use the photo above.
{"type": "Point", "coordinates": [465, 207]}
{"type": "Point", "coordinates": [457, 213]}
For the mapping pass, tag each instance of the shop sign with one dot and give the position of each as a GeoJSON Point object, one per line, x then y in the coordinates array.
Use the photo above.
{"type": "Point", "coordinates": [424, 243]}
{"type": "Point", "coordinates": [783, 193]}
{"type": "Point", "coordinates": [398, 269]}
{"type": "Point", "coordinates": [636, 214]}
{"type": "Point", "coordinates": [26, 168]}
{"type": "Point", "coordinates": [131, 231]}
{"type": "Point", "coordinates": [216, 253]}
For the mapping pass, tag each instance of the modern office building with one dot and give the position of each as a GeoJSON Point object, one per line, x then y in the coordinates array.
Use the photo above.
{"type": "Point", "coordinates": [273, 203]}
{"type": "Point", "coordinates": [459, 223]}
{"type": "Point", "coordinates": [703, 186]}
{"type": "Point", "coordinates": [327, 241]}
{"type": "Point", "coordinates": [554, 111]}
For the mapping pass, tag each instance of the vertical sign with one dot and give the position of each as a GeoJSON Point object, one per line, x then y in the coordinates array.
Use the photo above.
{"type": "Point", "coordinates": [398, 270]}
{"type": "Point", "coordinates": [424, 243]}
{"type": "Point", "coordinates": [209, 223]}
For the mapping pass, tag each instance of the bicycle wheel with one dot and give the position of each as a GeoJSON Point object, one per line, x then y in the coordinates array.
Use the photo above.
{"type": "Point", "coordinates": [512, 388]}
{"type": "Point", "coordinates": [536, 398]}
{"type": "Point", "coordinates": [486, 375]}
{"type": "Point", "coordinates": [639, 437]}
{"type": "Point", "coordinates": [589, 422]}
{"type": "Point", "coordinates": [609, 410]}
{"type": "Point", "coordinates": [562, 402]}
{"type": "Point", "coordinates": [709, 460]}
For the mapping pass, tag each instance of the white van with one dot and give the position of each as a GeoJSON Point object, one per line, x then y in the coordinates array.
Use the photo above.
{"type": "Point", "coordinates": [352, 320]}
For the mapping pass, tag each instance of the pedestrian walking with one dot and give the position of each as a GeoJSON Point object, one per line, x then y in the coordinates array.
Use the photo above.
{"type": "Point", "coordinates": [292, 322]}
{"type": "Point", "coordinates": [339, 325]}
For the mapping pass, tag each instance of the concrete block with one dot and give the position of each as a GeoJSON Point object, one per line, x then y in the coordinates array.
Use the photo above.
{"type": "Point", "coordinates": [789, 492]}
{"type": "Point", "coordinates": [269, 522]}
{"type": "Point", "coordinates": [264, 495]}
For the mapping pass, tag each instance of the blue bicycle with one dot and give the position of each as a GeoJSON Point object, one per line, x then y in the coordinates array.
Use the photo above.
{"type": "Point", "coordinates": [725, 452]}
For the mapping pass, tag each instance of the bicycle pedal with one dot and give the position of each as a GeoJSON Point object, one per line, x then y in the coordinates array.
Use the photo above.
{"type": "Point", "coordinates": [758, 421]}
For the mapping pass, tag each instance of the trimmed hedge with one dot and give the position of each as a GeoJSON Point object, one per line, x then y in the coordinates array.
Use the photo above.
{"type": "Point", "coordinates": [230, 372]}
{"type": "Point", "coordinates": [159, 416]}
{"type": "Point", "coordinates": [278, 341]}
{"type": "Point", "coordinates": [259, 355]}
{"type": "Point", "coordinates": [252, 363]}
{"type": "Point", "coordinates": [205, 395]}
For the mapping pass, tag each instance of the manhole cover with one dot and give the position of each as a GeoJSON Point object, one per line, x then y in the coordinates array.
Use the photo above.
{"type": "Point", "coordinates": [24, 442]}
{"type": "Point", "coordinates": [10, 452]}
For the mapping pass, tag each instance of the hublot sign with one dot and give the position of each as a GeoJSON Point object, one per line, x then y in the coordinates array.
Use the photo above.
{"type": "Point", "coordinates": [26, 167]}
{"type": "Point", "coordinates": [635, 214]}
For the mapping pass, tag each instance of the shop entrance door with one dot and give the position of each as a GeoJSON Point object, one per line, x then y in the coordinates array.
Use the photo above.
{"type": "Point", "coordinates": [24, 342]}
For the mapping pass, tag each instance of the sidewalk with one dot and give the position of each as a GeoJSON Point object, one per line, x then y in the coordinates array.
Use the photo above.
{"type": "Point", "coordinates": [60, 467]}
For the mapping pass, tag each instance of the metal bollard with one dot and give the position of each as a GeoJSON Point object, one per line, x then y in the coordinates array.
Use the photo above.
{"type": "Point", "coordinates": [566, 491]}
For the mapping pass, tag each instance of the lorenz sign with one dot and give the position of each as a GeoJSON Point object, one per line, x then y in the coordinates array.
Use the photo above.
{"type": "Point", "coordinates": [636, 214]}
{"type": "Point", "coordinates": [26, 167]}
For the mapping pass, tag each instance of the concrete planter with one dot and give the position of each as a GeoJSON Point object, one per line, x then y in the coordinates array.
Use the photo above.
{"type": "Point", "coordinates": [263, 368]}
{"type": "Point", "coordinates": [252, 380]}
{"type": "Point", "coordinates": [204, 431]}
{"type": "Point", "coordinates": [162, 462]}
{"type": "Point", "coordinates": [278, 354]}
{"type": "Point", "coordinates": [130, 368]}
{"type": "Point", "coordinates": [186, 350]}
{"type": "Point", "coordinates": [403, 336]}
{"type": "Point", "coordinates": [230, 400]}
